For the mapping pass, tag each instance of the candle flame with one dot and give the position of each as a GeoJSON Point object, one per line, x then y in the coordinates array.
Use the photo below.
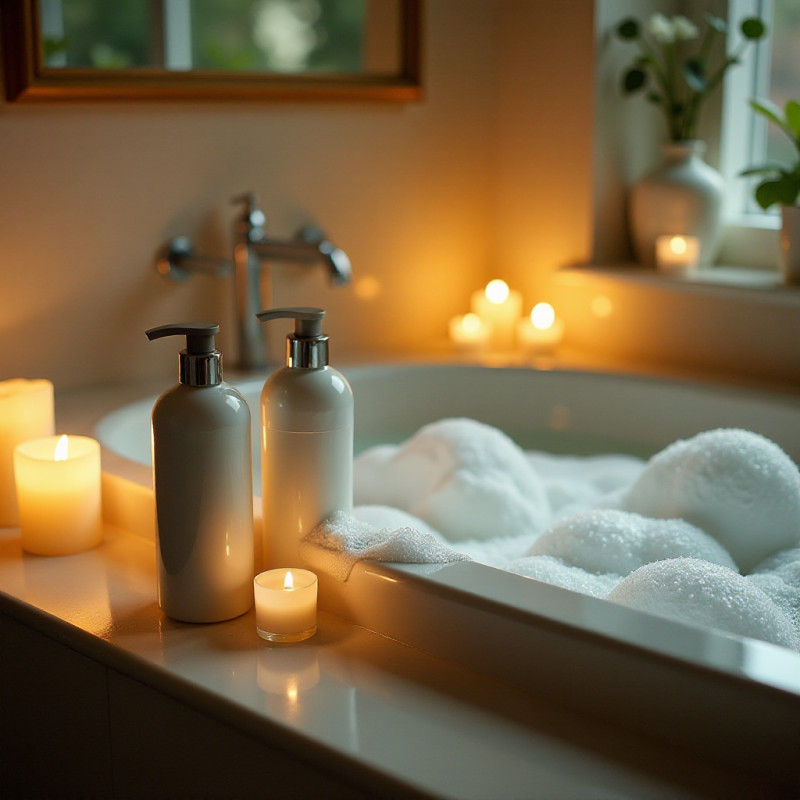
{"type": "Point", "coordinates": [288, 581]}
{"type": "Point", "coordinates": [543, 316]}
{"type": "Point", "coordinates": [496, 291]}
{"type": "Point", "coordinates": [678, 245]}
{"type": "Point", "coordinates": [62, 449]}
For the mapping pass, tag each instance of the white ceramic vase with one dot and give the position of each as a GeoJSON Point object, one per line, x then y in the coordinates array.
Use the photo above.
{"type": "Point", "coordinates": [681, 197]}
{"type": "Point", "coordinates": [790, 244]}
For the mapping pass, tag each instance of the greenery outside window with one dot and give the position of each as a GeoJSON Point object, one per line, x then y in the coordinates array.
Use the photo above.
{"type": "Point", "coordinates": [769, 70]}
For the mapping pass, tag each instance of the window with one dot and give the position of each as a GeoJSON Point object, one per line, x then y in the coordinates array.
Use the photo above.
{"type": "Point", "coordinates": [769, 69]}
{"type": "Point", "coordinates": [287, 36]}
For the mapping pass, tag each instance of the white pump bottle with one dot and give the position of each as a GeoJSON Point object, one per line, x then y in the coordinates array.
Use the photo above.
{"type": "Point", "coordinates": [306, 439]}
{"type": "Point", "coordinates": [203, 480]}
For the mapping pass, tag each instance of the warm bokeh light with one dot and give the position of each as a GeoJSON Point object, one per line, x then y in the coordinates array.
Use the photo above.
{"type": "Point", "coordinates": [367, 287]}
{"type": "Point", "coordinates": [471, 323]}
{"type": "Point", "coordinates": [497, 291]}
{"type": "Point", "coordinates": [678, 245]}
{"type": "Point", "coordinates": [543, 316]}
{"type": "Point", "coordinates": [602, 306]}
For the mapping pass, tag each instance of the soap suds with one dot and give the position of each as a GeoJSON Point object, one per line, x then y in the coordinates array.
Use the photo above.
{"type": "Point", "coordinates": [694, 591]}
{"type": "Point", "coordinates": [737, 486]}
{"type": "Point", "coordinates": [667, 536]}
{"type": "Point", "coordinates": [619, 542]}
{"type": "Point", "coordinates": [463, 478]}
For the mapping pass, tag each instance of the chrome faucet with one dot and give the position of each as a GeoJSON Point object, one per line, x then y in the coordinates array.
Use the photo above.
{"type": "Point", "coordinates": [252, 248]}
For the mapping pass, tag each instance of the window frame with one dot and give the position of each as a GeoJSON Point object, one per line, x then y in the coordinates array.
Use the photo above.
{"type": "Point", "coordinates": [751, 235]}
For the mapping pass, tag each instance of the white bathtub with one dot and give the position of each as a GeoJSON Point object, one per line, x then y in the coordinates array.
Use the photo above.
{"type": "Point", "coordinates": [728, 698]}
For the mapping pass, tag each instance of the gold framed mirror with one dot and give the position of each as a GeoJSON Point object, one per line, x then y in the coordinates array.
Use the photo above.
{"type": "Point", "coordinates": [294, 50]}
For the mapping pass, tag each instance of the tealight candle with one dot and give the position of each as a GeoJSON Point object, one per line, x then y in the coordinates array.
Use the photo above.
{"type": "Point", "coordinates": [469, 332]}
{"type": "Point", "coordinates": [58, 492]}
{"type": "Point", "coordinates": [286, 604]}
{"type": "Point", "coordinates": [499, 307]}
{"type": "Point", "coordinates": [677, 254]}
{"type": "Point", "coordinates": [26, 412]}
{"type": "Point", "coordinates": [541, 331]}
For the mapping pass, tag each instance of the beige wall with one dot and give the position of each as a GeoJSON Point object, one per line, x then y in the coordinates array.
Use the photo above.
{"type": "Point", "coordinates": [490, 174]}
{"type": "Point", "coordinates": [544, 146]}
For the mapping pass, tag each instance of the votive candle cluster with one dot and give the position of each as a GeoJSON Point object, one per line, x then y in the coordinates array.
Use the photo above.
{"type": "Point", "coordinates": [499, 307]}
{"type": "Point", "coordinates": [495, 319]}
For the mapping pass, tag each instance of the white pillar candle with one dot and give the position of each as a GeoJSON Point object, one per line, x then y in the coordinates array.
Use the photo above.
{"type": "Point", "coordinates": [58, 491]}
{"type": "Point", "coordinates": [469, 332]}
{"type": "Point", "coordinates": [677, 254]}
{"type": "Point", "coordinates": [541, 331]}
{"type": "Point", "coordinates": [26, 412]}
{"type": "Point", "coordinates": [286, 604]}
{"type": "Point", "coordinates": [499, 307]}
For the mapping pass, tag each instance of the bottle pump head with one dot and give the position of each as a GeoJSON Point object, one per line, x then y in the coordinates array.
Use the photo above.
{"type": "Point", "coordinates": [200, 364]}
{"type": "Point", "coordinates": [307, 347]}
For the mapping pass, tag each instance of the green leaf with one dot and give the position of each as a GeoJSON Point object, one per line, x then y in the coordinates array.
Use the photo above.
{"type": "Point", "coordinates": [633, 80]}
{"type": "Point", "coordinates": [694, 72]}
{"type": "Point", "coordinates": [628, 29]}
{"type": "Point", "coordinates": [793, 116]}
{"type": "Point", "coordinates": [753, 28]}
{"type": "Point", "coordinates": [717, 23]}
{"type": "Point", "coordinates": [784, 190]}
{"type": "Point", "coordinates": [768, 194]}
{"type": "Point", "coordinates": [769, 110]}
{"type": "Point", "coordinates": [764, 169]}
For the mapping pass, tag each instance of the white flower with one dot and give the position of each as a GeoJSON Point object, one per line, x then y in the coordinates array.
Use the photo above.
{"type": "Point", "coordinates": [660, 29]}
{"type": "Point", "coordinates": [684, 29]}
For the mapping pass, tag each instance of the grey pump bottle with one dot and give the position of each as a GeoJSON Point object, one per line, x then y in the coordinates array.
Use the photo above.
{"type": "Point", "coordinates": [202, 474]}
{"type": "Point", "coordinates": [306, 439]}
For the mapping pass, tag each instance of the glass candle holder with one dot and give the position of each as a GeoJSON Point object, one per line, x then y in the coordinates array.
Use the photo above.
{"type": "Point", "coordinates": [286, 604]}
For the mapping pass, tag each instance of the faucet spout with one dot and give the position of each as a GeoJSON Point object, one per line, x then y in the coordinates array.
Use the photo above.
{"type": "Point", "coordinates": [252, 250]}
{"type": "Point", "coordinates": [309, 246]}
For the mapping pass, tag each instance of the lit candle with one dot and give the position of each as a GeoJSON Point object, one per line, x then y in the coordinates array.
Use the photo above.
{"type": "Point", "coordinates": [469, 332]}
{"type": "Point", "coordinates": [26, 412]}
{"type": "Point", "coordinates": [58, 492]}
{"type": "Point", "coordinates": [541, 331]}
{"type": "Point", "coordinates": [499, 307]}
{"type": "Point", "coordinates": [677, 254]}
{"type": "Point", "coordinates": [286, 604]}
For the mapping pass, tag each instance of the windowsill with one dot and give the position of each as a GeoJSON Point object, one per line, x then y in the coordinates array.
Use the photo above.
{"type": "Point", "coordinates": [734, 283]}
{"type": "Point", "coordinates": [752, 241]}
{"type": "Point", "coordinates": [762, 222]}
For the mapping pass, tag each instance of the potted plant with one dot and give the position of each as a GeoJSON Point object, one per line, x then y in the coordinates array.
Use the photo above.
{"type": "Point", "coordinates": [678, 66]}
{"type": "Point", "coordinates": [780, 184]}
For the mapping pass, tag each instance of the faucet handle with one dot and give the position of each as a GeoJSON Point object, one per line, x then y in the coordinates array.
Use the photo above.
{"type": "Point", "coordinates": [251, 198]}
{"type": "Point", "coordinates": [252, 221]}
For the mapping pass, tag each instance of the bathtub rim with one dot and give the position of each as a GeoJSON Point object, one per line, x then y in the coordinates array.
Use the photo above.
{"type": "Point", "coordinates": [752, 665]}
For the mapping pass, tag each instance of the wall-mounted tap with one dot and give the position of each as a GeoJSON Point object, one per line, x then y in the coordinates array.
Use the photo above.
{"type": "Point", "coordinates": [252, 248]}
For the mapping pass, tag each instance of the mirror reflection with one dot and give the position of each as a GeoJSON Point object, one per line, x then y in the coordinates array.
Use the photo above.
{"type": "Point", "coordinates": [280, 36]}
{"type": "Point", "coordinates": [211, 49]}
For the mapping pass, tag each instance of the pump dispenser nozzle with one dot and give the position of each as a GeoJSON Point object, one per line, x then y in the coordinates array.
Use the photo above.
{"type": "Point", "coordinates": [200, 364]}
{"type": "Point", "coordinates": [307, 347]}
